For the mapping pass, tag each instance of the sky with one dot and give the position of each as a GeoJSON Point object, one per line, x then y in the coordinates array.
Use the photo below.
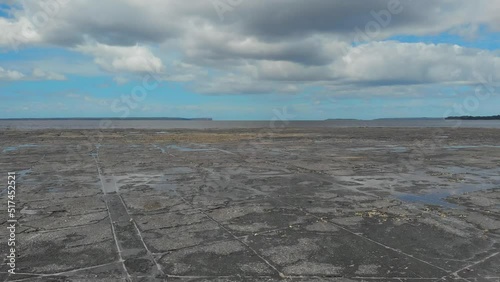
{"type": "Point", "coordinates": [249, 59]}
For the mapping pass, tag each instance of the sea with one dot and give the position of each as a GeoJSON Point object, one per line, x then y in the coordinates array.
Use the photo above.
{"type": "Point", "coordinates": [34, 124]}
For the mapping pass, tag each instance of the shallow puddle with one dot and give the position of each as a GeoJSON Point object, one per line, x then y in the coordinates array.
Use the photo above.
{"type": "Point", "coordinates": [109, 184]}
{"type": "Point", "coordinates": [164, 149]}
{"type": "Point", "coordinates": [15, 148]}
{"type": "Point", "coordinates": [470, 147]}
{"type": "Point", "coordinates": [23, 173]}
{"type": "Point", "coordinates": [438, 198]}
{"type": "Point", "coordinates": [186, 149]}
{"type": "Point", "coordinates": [391, 148]}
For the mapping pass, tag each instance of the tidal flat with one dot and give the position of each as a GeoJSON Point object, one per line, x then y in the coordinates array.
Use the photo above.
{"type": "Point", "coordinates": [294, 204]}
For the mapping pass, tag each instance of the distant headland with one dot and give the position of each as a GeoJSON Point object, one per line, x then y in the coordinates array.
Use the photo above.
{"type": "Point", "coordinates": [497, 117]}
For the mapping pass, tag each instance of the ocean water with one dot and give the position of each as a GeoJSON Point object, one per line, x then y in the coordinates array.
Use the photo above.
{"type": "Point", "coordinates": [28, 124]}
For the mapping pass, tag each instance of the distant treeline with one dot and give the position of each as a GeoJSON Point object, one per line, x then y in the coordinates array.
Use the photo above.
{"type": "Point", "coordinates": [476, 118]}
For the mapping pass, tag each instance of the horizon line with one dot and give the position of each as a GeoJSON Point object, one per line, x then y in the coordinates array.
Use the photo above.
{"type": "Point", "coordinates": [203, 119]}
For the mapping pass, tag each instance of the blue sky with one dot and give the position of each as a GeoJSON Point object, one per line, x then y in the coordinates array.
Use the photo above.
{"type": "Point", "coordinates": [250, 60]}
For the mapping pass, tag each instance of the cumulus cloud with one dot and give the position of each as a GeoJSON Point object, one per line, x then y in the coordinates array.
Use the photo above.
{"type": "Point", "coordinates": [10, 74]}
{"type": "Point", "coordinates": [377, 64]}
{"type": "Point", "coordinates": [70, 22]}
{"type": "Point", "coordinates": [37, 74]}
{"type": "Point", "coordinates": [120, 80]}
{"type": "Point", "coordinates": [43, 75]}
{"type": "Point", "coordinates": [259, 46]}
{"type": "Point", "coordinates": [18, 33]}
{"type": "Point", "coordinates": [233, 83]}
{"type": "Point", "coordinates": [392, 62]}
{"type": "Point", "coordinates": [123, 58]}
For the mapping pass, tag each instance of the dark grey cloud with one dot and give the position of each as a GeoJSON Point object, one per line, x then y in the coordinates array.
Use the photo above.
{"type": "Point", "coordinates": [276, 20]}
{"type": "Point", "coordinates": [108, 22]}
{"type": "Point", "coordinates": [126, 22]}
{"type": "Point", "coordinates": [305, 17]}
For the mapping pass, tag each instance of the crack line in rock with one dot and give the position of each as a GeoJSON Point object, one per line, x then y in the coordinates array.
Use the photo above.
{"type": "Point", "coordinates": [238, 239]}
{"type": "Point", "coordinates": [96, 159]}
{"type": "Point", "coordinates": [455, 273]}
{"type": "Point", "coordinates": [158, 266]}
{"type": "Point", "coordinates": [363, 237]}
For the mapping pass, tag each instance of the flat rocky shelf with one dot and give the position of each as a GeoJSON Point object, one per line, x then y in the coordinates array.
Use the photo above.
{"type": "Point", "coordinates": [341, 204]}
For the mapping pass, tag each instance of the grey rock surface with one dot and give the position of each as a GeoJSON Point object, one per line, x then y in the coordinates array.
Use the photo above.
{"type": "Point", "coordinates": [342, 204]}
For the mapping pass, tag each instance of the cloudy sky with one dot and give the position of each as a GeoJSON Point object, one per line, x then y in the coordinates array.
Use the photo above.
{"type": "Point", "coordinates": [248, 59]}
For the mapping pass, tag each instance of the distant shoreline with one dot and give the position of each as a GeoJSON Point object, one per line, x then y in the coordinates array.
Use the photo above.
{"type": "Point", "coordinates": [497, 117]}
{"type": "Point", "coordinates": [422, 119]}
{"type": "Point", "coordinates": [114, 118]}
{"type": "Point", "coordinates": [269, 125]}
{"type": "Point", "coordinates": [209, 119]}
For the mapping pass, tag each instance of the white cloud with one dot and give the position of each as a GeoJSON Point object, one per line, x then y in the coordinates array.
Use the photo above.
{"type": "Point", "coordinates": [239, 84]}
{"type": "Point", "coordinates": [37, 74]}
{"type": "Point", "coordinates": [43, 75]}
{"type": "Point", "coordinates": [136, 59]}
{"type": "Point", "coordinates": [386, 63]}
{"type": "Point", "coordinates": [392, 62]}
{"type": "Point", "coordinates": [120, 80]}
{"type": "Point", "coordinates": [96, 101]}
{"type": "Point", "coordinates": [264, 46]}
{"type": "Point", "coordinates": [17, 33]}
{"type": "Point", "coordinates": [10, 74]}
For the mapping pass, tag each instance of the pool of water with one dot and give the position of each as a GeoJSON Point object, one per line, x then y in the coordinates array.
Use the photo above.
{"type": "Point", "coordinates": [15, 148]}
{"type": "Point", "coordinates": [390, 148]}
{"type": "Point", "coordinates": [476, 180]}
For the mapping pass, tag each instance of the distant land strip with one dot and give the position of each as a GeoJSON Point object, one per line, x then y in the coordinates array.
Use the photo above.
{"type": "Point", "coordinates": [497, 117]}
{"type": "Point", "coordinates": [112, 118]}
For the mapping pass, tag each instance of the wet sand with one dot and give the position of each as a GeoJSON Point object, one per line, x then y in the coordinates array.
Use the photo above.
{"type": "Point", "coordinates": [339, 204]}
